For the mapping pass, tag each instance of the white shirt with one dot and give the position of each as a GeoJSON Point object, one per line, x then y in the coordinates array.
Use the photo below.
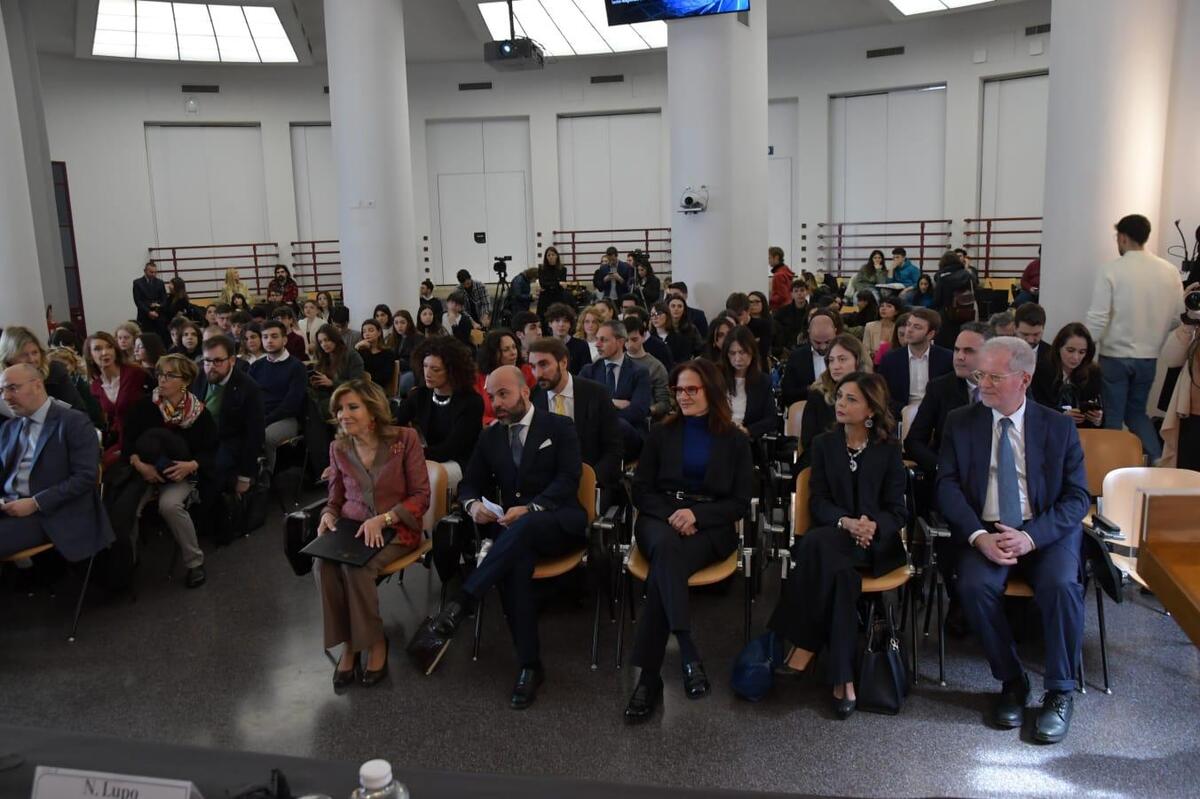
{"type": "Point", "coordinates": [276, 357]}
{"type": "Point", "coordinates": [525, 420]}
{"type": "Point", "coordinates": [1136, 302]}
{"type": "Point", "coordinates": [568, 395]}
{"type": "Point", "coordinates": [17, 484]}
{"type": "Point", "coordinates": [112, 388]}
{"type": "Point", "coordinates": [918, 375]}
{"type": "Point", "coordinates": [1016, 437]}
{"type": "Point", "coordinates": [738, 401]}
{"type": "Point", "coordinates": [593, 349]}
{"type": "Point", "coordinates": [818, 364]}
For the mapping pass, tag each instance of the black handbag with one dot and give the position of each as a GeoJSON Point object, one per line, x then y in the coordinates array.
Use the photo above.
{"type": "Point", "coordinates": [299, 528]}
{"type": "Point", "coordinates": [883, 674]}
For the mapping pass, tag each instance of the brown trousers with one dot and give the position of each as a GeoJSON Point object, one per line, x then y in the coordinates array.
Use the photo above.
{"type": "Point", "coordinates": [350, 599]}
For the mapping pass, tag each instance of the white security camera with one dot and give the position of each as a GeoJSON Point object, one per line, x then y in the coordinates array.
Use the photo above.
{"type": "Point", "coordinates": [693, 201]}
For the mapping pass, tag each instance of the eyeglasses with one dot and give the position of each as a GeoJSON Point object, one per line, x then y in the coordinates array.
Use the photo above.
{"type": "Point", "coordinates": [978, 377]}
{"type": "Point", "coordinates": [168, 376]}
{"type": "Point", "coordinates": [210, 361]}
{"type": "Point", "coordinates": [691, 391]}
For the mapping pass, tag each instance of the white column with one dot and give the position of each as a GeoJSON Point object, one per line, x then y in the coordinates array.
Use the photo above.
{"type": "Point", "coordinates": [1181, 172]}
{"type": "Point", "coordinates": [21, 301]}
{"type": "Point", "coordinates": [1110, 83]}
{"type": "Point", "coordinates": [368, 102]}
{"type": "Point", "coordinates": [717, 101]}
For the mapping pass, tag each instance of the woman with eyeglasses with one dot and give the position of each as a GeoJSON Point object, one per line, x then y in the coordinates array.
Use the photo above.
{"type": "Point", "coordinates": [856, 499]}
{"type": "Point", "coordinates": [750, 398]}
{"type": "Point", "coordinates": [692, 485]}
{"type": "Point", "coordinates": [171, 443]}
{"type": "Point", "coordinates": [662, 326]}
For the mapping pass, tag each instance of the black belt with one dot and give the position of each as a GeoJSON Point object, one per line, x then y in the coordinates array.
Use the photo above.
{"type": "Point", "coordinates": [683, 496]}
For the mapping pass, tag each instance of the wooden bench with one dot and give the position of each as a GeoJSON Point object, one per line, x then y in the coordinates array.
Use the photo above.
{"type": "Point", "coordinates": [1169, 559]}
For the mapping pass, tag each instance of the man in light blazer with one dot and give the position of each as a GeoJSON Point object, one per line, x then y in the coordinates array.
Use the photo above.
{"type": "Point", "coordinates": [1011, 483]}
{"type": "Point", "coordinates": [51, 458]}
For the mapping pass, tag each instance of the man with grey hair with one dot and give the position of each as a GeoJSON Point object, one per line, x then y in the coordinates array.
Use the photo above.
{"type": "Point", "coordinates": [1011, 484]}
{"type": "Point", "coordinates": [51, 458]}
{"type": "Point", "coordinates": [627, 381]}
{"type": "Point", "coordinates": [1003, 324]}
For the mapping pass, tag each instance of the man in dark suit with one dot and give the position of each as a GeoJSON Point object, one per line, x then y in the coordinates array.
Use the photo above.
{"type": "Point", "coordinates": [51, 456]}
{"type": "Point", "coordinates": [807, 362]}
{"type": "Point", "coordinates": [737, 305]}
{"type": "Point", "coordinates": [583, 401]}
{"type": "Point", "coordinates": [532, 460]}
{"type": "Point", "coordinates": [1030, 320]}
{"type": "Point", "coordinates": [614, 277]}
{"type": "Point", "coordinates": [792, 319]}
{"type": "Point", "coordinates": [943, 395]}
{"type": "Point", "coordinates": [908, 371]}
{"type": "Point", "coordinates": [561, 318]}
{"type": "Point", "coordinates": [150, 297]}
{"type": "Point", "coordinates": [1012, 486]}
{"type": "Point", "coordinates": [627, 382]}
{"type": "Point", "coordinates": [235, 401]}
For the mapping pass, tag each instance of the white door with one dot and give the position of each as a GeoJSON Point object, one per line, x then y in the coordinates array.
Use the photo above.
{"type": "Point", "coordinates": [507, 222]}
{"type": "Point", "coordinates": [779, 205]}
{"type": "Point", "coordinates": [463, 212]}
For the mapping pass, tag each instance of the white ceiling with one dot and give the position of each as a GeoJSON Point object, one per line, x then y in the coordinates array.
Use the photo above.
{"type": "Point", "coordinates": [453, 30]}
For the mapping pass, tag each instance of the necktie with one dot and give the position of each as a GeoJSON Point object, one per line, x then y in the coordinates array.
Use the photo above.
{"type": "Point", "coordinates": [610, 378]}
{"type": "Point", "coordinates": [974, 394]}
{"type": "Point", "coordinates": [1006, 479]}
{"type": "Point", "coordinates": [560, 405]}
{"type": "Point", "coordinates": [212, 399]}
{"type": "Point", "coordinates": [514, 443]}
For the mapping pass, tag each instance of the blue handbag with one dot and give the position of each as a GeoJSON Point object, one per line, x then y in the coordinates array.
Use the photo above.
{"type": "Point", "coordinates": [754, 669]}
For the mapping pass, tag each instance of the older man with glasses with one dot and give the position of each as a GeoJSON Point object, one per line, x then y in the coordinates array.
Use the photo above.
{"type": "Point", "coordinates": [51, 457]}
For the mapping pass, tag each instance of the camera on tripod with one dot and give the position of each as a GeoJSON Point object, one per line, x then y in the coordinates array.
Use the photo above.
{"type": "Point", "coordinates": [1191, 304]}
{"type": "Point", "coordinates": [500, 267]}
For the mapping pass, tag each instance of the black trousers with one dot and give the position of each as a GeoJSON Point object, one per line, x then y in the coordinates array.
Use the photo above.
{"type": "Point", "coordinates": [673, 559]}
{"type": "Point", "coordinates": [509, 565]}
{"type": "Point", "coordinates": [818, 604]}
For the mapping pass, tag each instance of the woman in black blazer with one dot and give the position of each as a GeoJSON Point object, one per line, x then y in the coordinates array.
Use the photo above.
{"type": "Point", "coordinates": [846, 354]}
{"type": "Point", "coordinates": [662, 327]}
{"type": "Point", "coordinates": [1068, 378]}
{"type": "Point", "coordinates": [856, 498]}
{"type": "Point", "coordinates": [444, 407]}
{"type": "Point", "coordinates": [692, 485]}
{"type": "Point", "coordinates": [750, 396]}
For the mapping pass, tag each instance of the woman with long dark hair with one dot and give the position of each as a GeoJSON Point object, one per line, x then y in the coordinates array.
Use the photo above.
{"type": "Point", "coordinates": [692, 485]}
{"type": "Point", "coordinates": [872, 273]}
{"type": "Point", "coordinates": [551, 275]}
{"type": "Point", "coordinates": [500, 348]}
{"type": "Point", "coordinates": [647, 286]}
{"type": "Point", "coordinates": [690, 341]}
{"type": "Point", "coordinates": [718, 331]}
{"type": "Point", "coordinates": [189, 341]}
{"type": "Point", "coordinates": [383, 315]}
{"type": "Point", "coordinates": [846, 355]}
{"type": "Point", "coordinates": [879, 331]}
{"type": "Point", "coordinates": [428, 323]}
{"type": "Point", "coordinates": [750, 398]}
{"type": "Point", "coordinates": [378, 361]}
{"type": "Point", "coordinates": [856, 500]}
{"type": "Point", "coordinates": [1069, 378]}
{"type": "Point", "coordinates": [335, 365]}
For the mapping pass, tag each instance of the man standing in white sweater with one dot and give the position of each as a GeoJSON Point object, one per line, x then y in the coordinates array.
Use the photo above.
{"type": "Point", "coordinates": [1136, 301]}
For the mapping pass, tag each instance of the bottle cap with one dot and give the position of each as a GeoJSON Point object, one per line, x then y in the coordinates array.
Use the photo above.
{"type": "Point", "coordinates": [375, 774]}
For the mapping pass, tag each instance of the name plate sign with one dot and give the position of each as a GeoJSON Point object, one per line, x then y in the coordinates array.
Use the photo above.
{"type": "Point", "coordinates": [65, 783]}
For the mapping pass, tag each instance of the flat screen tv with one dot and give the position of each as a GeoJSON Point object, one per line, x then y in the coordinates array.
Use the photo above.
{"type": "Point", "coordinates": [623, 12]}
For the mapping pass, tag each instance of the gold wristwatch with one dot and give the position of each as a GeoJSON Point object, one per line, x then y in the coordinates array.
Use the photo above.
{"type": "Point", "coordinates": [389, 519]}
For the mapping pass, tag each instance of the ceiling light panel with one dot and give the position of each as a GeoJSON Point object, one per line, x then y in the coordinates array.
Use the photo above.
{"type": "Point", "coordinates": [158, 30]}
{"type": "Point", "coordinates": [571, 27]}
{"type": "Point", "coordinates": [910, 7]}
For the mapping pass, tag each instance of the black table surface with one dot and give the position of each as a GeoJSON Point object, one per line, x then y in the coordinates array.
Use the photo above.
{"type": "Point", "coordinates": [216, 772]}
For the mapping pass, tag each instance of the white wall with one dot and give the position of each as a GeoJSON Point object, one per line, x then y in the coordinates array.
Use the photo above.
{"type": "Point", "coordinates": [96, 112]}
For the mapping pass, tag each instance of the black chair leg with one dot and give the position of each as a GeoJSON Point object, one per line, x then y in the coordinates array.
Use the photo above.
{"type": "Point", "coordinates": [478, 628]}
{"type": "Point", "coordinates": [624, 594]}
{"type": "Point", "coordinates": [749, 601]}
{"type": "Point", "coordinates": [941, 635]}
{"type": "Point", "coordinates": [912, 629]}
{"type": "Point", "coordinates": [596, 633]}
{"type": "Point", "coordinates": [87, 578]}
{"type": "Point", "coordinates": [933, 586]}
{"type": "Point", "coordinates": [1103, 636]}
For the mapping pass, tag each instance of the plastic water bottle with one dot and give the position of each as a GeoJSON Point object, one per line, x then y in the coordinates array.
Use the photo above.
{"type": "Point", "coordinates": [375, 782]}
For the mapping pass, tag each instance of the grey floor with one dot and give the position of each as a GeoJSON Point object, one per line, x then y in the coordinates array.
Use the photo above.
{"type": "Point", "coordinates": [238, 664]}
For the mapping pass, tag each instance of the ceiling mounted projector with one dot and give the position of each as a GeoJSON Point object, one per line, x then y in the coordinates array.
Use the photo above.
{"type": "Point", "coordinates": [513, 55]}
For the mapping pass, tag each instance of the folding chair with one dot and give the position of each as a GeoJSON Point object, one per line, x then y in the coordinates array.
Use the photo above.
{"type": "Point", "coordinates": [87, 578]}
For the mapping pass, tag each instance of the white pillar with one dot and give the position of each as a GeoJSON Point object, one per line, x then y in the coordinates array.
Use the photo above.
{"type": "Point", "coordinates": [21, 301]}
{"type": "Point", "coordinates": [717, 102]}
{"type": "Point", "coordinates": [1181, 191]}
{"type": "Point", "coordinates": [1110, 82]}
{"type": "Point", "coordinates": [368, 103]}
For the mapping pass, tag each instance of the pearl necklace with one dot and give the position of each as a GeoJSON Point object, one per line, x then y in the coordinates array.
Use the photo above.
{"type": "Point", "coordinates": [437, 399]}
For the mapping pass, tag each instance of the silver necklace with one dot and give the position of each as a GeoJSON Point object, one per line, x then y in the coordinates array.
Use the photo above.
{"type": "Point", "coordinates": [854, 452]}
{"type": "Point", "coordinates": [437, 399]}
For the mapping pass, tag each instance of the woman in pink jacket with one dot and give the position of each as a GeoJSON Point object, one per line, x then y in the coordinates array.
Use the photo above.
{"type": "Point", "coordinates": [378, 479]}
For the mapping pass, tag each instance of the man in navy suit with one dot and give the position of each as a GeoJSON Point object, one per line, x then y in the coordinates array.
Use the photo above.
{"type": "Point", "coordinates": [235, 401]}
{"type": "Point", "coordinates": [614, 277]}
{"type": "Point", "coordinates": [530, 464]}
{"type": "Point", "coordinates": [628, 384]}
{"type": "Point", "coordinates": [1011, 484]}
{"type": "Point", "coordinates": [51, 457]}
{"type": "Point", "coordinates": [908, 371]}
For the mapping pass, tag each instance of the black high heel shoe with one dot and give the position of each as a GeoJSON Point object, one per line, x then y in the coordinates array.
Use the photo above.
{"type": "Point", "coordinates": [842, 708]}
{"type": "Point", "coordinates": [342, 679]}
{"type": "Point", "coordinates": [369, 676]}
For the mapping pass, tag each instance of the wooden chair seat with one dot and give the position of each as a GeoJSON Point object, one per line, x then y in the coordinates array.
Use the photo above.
{"type": "Point", "coordinates": [639, 567]}
{"type": "Point", "coordinates": [1018, 587]}
{"type": "Point", "coordinates": [26, 553]}
{"type": "Point", "coordinates": [403, 562]}
{"type": "Point", "coordinates": [554, 567]}
{"type": "Point", "coordinates": [887, 582]}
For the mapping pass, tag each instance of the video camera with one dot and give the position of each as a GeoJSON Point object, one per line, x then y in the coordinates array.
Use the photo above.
{"type": "Point", "coordinates": [500, 267]}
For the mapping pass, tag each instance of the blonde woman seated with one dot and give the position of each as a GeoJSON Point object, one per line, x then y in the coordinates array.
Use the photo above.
{"type": "Point", "coordinates": [378, 478]}
{"type": "Point", "coordinates": [846, 354]}
{"type": "Point", "coordinates": [233, 286]}
{"type": "Point", "coordinates": [856, 498]}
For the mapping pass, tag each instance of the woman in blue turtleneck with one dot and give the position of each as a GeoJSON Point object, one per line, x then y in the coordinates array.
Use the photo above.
{"type": "Point", "coordinates": [693, 483]}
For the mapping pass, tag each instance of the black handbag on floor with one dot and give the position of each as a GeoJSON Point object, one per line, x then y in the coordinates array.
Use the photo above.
{"type": "Point", "coordinates": [299, 528]}
{"type": "Point", "coordinates": [883, 674]}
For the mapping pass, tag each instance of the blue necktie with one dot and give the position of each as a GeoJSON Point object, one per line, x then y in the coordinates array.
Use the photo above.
{"type": "Point", "coordinates": [514, 443]}
{"type": "Point", "coordinates": [610, 379]}
{"type": "Point", "coordinates": [1007, 492]}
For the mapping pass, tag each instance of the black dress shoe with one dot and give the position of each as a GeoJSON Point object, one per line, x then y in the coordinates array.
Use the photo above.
{"type": "Point", "coordinates": [646, 696]}
{"type": "Point", "coordinates": [370, 677]}
{"type": "Point", "coordinates": [1054, 719]}
{"type": "Point", "coordinates": [695, 681]}
{"type": "Point", "coordinates": [447, 621]}
{"type": "Point", "coordinates": [342, 679]}
{"type": "Point", "coordinates": [195, 577]}
{"type": "Point", "coordinates": [1009, 711]}
{"type": "Point", "coordinates": [842, 708]}
{"type": "Point", "coordinates": [431, 640]}
{"type": "Point", "coordinates": [525, 688]}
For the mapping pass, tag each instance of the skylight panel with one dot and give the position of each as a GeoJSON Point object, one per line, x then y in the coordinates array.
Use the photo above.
{"type": "Point", "coordinates": [571, 27]}
{"type": "Point", "coordinates": [536, 21]}
{"type": "Point", "coordinates": [160, 30]}
{"type": "Point", "coordinates": [575, 27]}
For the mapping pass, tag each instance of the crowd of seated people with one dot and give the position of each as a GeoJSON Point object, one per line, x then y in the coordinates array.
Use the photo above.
{"type": "Point", "coordinates": [673, 412]}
